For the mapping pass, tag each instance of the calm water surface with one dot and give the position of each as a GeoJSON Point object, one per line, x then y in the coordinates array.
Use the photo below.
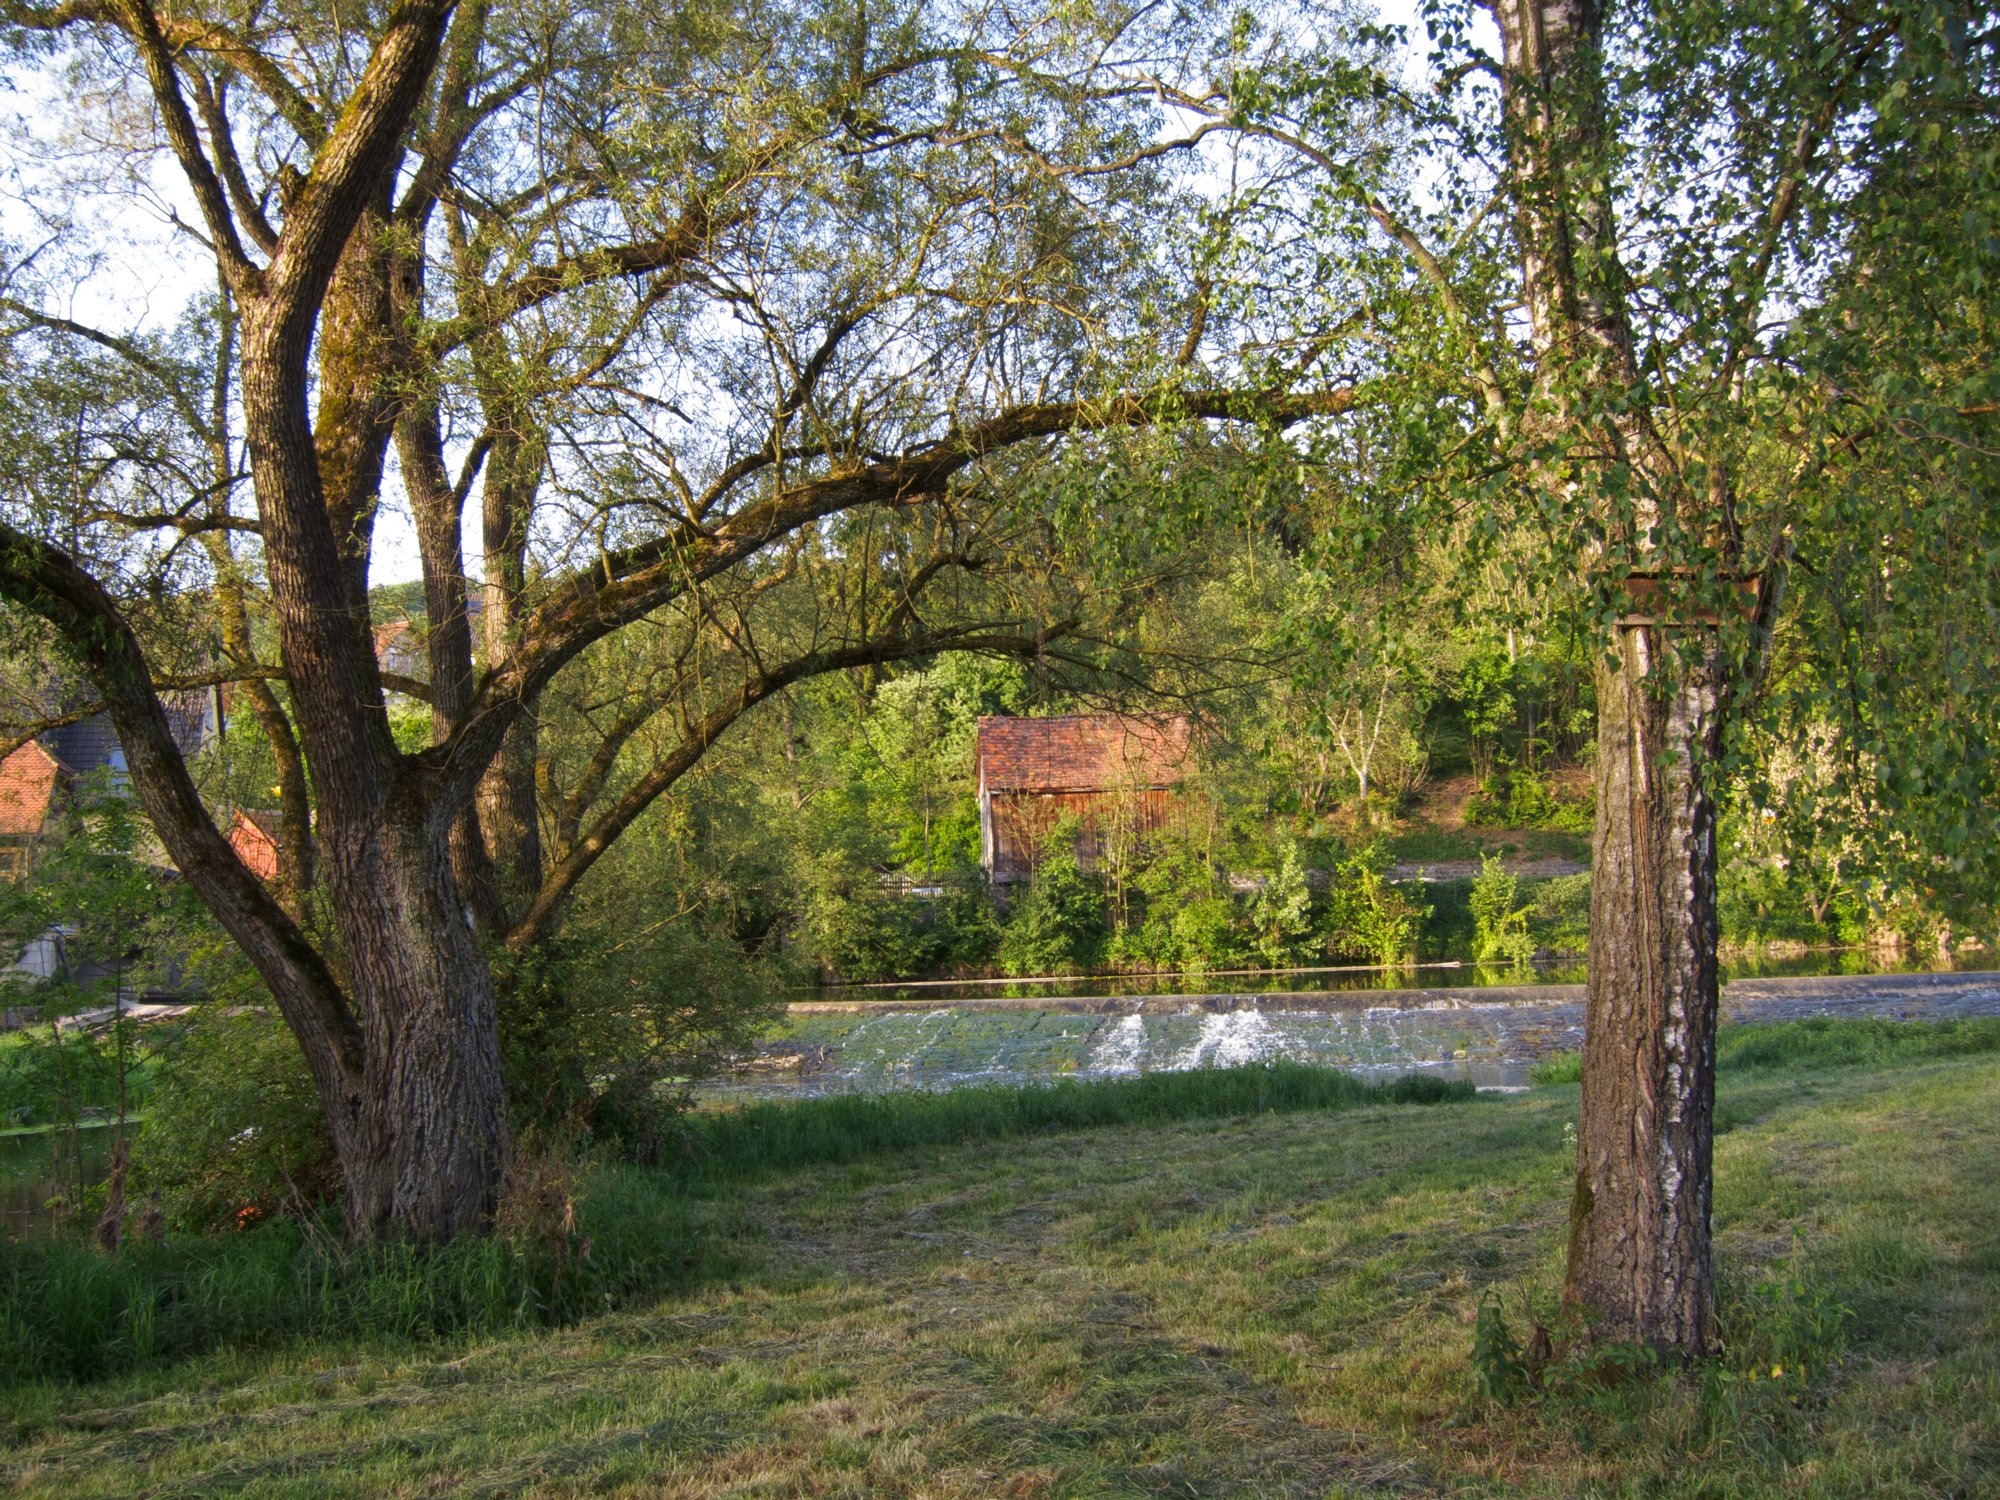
{"type": "Point", "coordinates": [1452, 974]}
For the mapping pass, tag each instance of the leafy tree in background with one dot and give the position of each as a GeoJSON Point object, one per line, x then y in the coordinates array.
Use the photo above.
{"type": "Point", "coordinates": [1058, 924]}
{"type": "Point", "coordinates": [1368, 919]}
{"type": "Point", "coordinates": [126, 927]}
{"type": "Point", "coordinates": [1280, 913]}
{"type": "Point", "coordinates": [1500, 928]}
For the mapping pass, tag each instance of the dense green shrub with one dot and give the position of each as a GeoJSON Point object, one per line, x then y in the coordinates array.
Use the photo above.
{"type": "Point", "coordinates": [1759, 903]}
{"type": "Point", "coordinates": [1059, 924]}
{"type": "Point", "coordinates": [1515, 797]}
{"type": "Point", "coordinates": [1365, 917]}
{"type": "Point", "coordinates": [233, 1130]}
{"type": "Point", "coordinates": [1559, 913]}
{"type": "Point", "coordinates": [1499, 927]}
{"type": "Point", "coordinates": [605, 1033]}
{"type": "Point", "coordinates": [1280, 914]}
{"type": "Point", "coordinates": [1557, 916]}
{"type": "Point", "coordinates": [1187, 916]}
{"type": "Point", "coordinates": [50, 1076]}
{"type": "Point", "coordinates": [860, 932]}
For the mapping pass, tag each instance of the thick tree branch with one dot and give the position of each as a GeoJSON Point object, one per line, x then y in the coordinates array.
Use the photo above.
{"type": "Point", "coordinates": [213, 102]}
{"type": "Point", "coordinates": [350, 168]}
{"type": "Point", "coordinates": [48, 583]}
{"type": "Point", "coordinates": [670, 253]}
{"type": "Point", "coordinates": [542, 913]}
{"type": "Point", "coordinates": [630, 583]}
{"type": "Point", "coordinates": [220, 678]}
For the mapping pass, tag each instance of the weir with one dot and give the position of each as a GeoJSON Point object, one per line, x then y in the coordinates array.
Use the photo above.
{"type": "Point", "coordinates": [1492, 1035]}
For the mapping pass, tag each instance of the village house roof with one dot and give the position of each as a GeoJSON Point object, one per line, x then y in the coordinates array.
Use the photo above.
{"type": "Point", "coordinates": [92, 744]}
{"type": "Point", "coordinates": [1083, 753]}
{"type": "Point", "coordinates": [88, 745]}
{"type": "Point", "coordinates": [400, 647]}
{"type": "Point", "coordinates": [254, 834]}
{"type": "Point", "coordinates": [27, 786]}
{"type": "Point", "coordinates": [403, 646]}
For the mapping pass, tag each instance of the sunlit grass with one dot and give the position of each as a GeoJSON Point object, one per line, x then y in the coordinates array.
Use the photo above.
{"type": "Point", "coordinates": [1256, 1304]}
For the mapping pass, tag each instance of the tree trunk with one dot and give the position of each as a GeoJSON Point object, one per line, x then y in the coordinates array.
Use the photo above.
{"type": "Point", "coordinates": [508, 807]}
{"type": "Point", "coordinates": [1640, 1260]}
{"type": "Point", "coordinates": [431, 1146]}
{"type": "Point", "coordinates": [420, 1123]}
{"type": "Point", "coordinates": [510, 817]}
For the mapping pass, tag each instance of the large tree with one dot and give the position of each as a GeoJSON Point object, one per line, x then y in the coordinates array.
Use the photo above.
{"type": "Point", "coordinates": [671, 288]}
{"type": "Point", "coordinates": [1636, 304]}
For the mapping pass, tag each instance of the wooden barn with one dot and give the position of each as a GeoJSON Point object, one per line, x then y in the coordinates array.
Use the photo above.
{"type": "Point", "coordinates": [1116, 773]}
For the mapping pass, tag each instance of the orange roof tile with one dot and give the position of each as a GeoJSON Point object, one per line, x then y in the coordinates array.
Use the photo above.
{"type": "Point", "coordinates": [1082, 753]}
{"type": "Point", "coordinates": [27, 787]}
{"type": "Point", "coordinates": [253, 834]}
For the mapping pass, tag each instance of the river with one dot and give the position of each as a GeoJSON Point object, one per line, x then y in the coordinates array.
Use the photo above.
{"type": "Point", "coordinates": [1492, 1033]}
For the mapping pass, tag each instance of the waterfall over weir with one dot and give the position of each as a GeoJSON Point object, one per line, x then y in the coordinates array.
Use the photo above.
{"type": "Point", "coordinates": [1492, 1035]}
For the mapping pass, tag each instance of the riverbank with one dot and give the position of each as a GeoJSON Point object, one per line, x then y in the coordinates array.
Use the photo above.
{"type": "Point", "coordinates": [1277, 1304]}
{"type": "Point", "coordinates": [1359, 979]}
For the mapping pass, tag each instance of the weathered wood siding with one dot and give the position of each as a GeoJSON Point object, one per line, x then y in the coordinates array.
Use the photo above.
{"type": "Point", "coordinates": [1021, 820]}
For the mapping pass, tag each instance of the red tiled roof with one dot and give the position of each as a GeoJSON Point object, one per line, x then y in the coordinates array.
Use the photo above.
{"type": "Point", "coordinates": [254, 836]}
{"type": "Point", "coordinates": [27, 785]}
{"type": "Point", "coordinates": [1082, 753]}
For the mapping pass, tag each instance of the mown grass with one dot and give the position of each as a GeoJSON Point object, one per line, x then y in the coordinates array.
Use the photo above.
{"type": "Point", "coordinates": [1820, 1042]}
{"type": "Point", "coordinates": [1251, 1304]}
{"type": "Point", "coordinates": [67, 1312]}
{"type": "Point", "coordinates": [731, 1146]}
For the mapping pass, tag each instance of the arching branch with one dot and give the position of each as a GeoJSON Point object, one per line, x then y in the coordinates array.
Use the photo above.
{"type": "Point", "coordinates": [48, 583]}
{"type": "Point", "coordinates": [543, 912]}
{"type": "Point", "coordinates": [629, 583]}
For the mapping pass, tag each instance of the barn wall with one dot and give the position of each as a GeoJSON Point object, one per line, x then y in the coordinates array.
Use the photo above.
{"type": "Point", "coordinates": [1020, 820]}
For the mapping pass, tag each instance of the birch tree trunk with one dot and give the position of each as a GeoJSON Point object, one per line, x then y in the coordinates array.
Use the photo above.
{"type": "Point", "coordinates": [1640, 1260]}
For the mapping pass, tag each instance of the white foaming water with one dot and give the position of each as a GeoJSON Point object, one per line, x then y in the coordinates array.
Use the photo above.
{"type": "Point", "coordinates": [1228, 1039]}
{"type": "Point", "coordinates": [1121, 1047]}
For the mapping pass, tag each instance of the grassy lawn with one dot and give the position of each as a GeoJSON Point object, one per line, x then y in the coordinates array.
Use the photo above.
{"type": "Point", "coordinates": [1271, 1304]}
